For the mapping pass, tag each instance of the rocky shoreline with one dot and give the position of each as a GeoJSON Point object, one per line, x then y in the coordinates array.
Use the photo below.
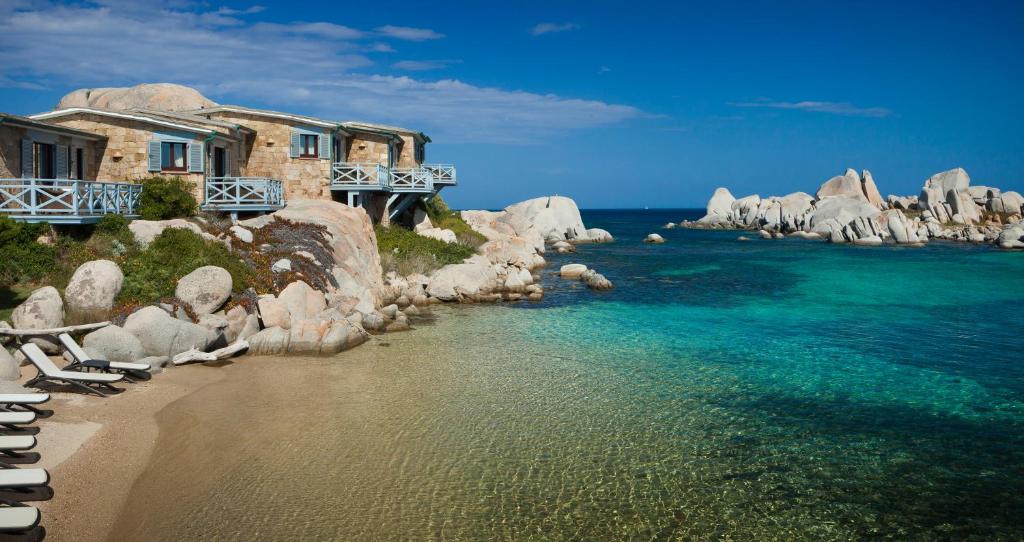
{"type": "Point", "coordinates": [850, 209]}
{"type": "Point", "coordinates": [337, 295]}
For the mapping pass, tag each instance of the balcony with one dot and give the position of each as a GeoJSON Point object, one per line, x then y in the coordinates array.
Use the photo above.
{"type": "Point", "coordinates": [359, 176]}
{"type": "Point", "coordinates": [444, 174]}
{"type": "Point", "coordinates": [66, 201]}
{"type": "Point", "coordinates": [234, 194]}
{"type": "Point", "coordinates": [413, 179]}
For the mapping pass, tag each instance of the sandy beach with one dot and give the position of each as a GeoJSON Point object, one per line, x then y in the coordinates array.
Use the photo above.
{"type": "Point", "coordinates": [95, 447]}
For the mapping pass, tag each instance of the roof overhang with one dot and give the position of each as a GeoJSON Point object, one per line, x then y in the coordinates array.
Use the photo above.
{"type": "Point", "coordinates": [269, 114]}
{"type": "Point", "coordinates": [25, 122]}
{"type": "Point", "coordinates": [130, 116]}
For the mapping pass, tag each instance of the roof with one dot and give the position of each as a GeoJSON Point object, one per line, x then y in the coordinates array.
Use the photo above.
{"type": "Point", "coordinates": [383, 129]}
{"type": "Point", "coordinates": [192, 126]}
{"type": "Point", "coordinates": [25, 122]}
{"type": "Point", "coordinates": [356, 125]}
{"type": "Point", "coordinates": [195, 119]}
{"type": "Point", "coordinates": [266, 113]}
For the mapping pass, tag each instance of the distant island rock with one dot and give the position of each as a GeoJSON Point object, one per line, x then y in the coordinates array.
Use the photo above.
{"type": "Point", "coordinates": [849, 209]}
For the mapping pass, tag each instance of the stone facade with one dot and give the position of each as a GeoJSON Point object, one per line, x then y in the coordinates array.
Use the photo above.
{"type": "Point", "coordinates": [10, 151]}
{"type": "Point", "coordinates": [407, 152]}
{"type": "Point", "coordinates": [269, 156]}
{"type": "Point", "coordinates": [125, 155]}
{"type": "Point", "coordinates": [366, 147]}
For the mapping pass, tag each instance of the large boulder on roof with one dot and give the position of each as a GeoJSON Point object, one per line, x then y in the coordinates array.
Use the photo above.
{"type": "Point", "coordinates": [158, 96]}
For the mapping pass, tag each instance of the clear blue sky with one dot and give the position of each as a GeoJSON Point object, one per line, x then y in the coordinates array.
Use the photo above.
{"type": "Point", "coordinates": [618, 105]}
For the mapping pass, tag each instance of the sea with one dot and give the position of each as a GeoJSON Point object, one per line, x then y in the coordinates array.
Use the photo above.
{"type": "Point", "coordinates": [725, 389]}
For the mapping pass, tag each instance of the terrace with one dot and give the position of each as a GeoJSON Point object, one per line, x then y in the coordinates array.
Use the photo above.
{"type": "Point", "coordinates": [66, 201]}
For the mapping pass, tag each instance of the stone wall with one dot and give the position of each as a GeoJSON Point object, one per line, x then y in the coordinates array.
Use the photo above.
{"type": "Point", "coordinates": [269, 156]}
{"type": "Point", "coordinates": [130, 139]}
{"type": "Point", "coordinates": [366, 147]}
{"type": "Point", "coordinates": [10, 151]}
{"type": "Point", "coordinates": [407, 152]}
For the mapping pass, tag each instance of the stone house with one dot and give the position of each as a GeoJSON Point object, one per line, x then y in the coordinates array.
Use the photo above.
{"type": "Point", "coordinates": [37, 150]}
{"type": "Point", "coordinates": [137, 144]}
{"type": "Point", "coordinates": [295, 149]}
{"type": "Point", "coordinates": [390, 145]}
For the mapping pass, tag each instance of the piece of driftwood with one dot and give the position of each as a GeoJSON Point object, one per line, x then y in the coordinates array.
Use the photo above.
{"type": "Point", "coordinates": [53, 330]}
{"type": "Point", "coordinates": [194, 354]}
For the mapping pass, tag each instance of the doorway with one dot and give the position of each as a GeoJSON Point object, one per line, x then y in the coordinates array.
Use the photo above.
{"type": "Point", "coordinates": [220, 162]}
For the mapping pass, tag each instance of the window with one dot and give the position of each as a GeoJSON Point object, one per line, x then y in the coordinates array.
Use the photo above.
{"type": "Point", "coordinates": [309, 146]}
{"type": "Point", "coordinates": [44, 157]}
{"type": "Point", "coordinates": [173, 156]}
{"type": "Point", "coordinates": [420, 153]}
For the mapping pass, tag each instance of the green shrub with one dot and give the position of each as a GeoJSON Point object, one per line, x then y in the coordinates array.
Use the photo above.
{"type": "Point", "coordinates": [153, 273]}
{"type": "Point", "coordinates": [22, 258]}
{"type": "Point", "coordinates": [404, 251]}
{"type": "Point", "coordinates": [163, 198]}
{"type": "Point", "coordinates": [443, 217]}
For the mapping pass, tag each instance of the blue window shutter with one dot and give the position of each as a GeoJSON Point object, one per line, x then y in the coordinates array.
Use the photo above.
{"type": "Point", "coordinates": [154, 156]}
{"type": "Point", "coordinates": [62, 162]}
{"type": "Point", "coordinates": [293, 149]}
{"type": "Point", "coordinates": [26, 158]}
{"type": "Point", "coordinates": [325, 147]}
{"type": "Point", "coordinates": [195, 157]}
{"type": "Point", "coordinates": [342, 151]}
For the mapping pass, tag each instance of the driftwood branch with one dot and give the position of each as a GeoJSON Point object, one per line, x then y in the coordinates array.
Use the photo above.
{"type": "Point", "coordinates": [53, 330]}
{"type": "Point", "coordinates": [221, 353]}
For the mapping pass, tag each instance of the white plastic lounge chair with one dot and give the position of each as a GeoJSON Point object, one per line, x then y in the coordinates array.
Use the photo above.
{"type": "Point", "coordinates": [17, 517]}
{"type": "Point", "coordinates": [17, 418]}
{"type": "Point", "coordinates": [48, 372]}
{"type": "Point", "coordinates": [23, 478]}
{"type": "Point", "coordinates": [20, 402]}
{"type": "Point", "coordinates": [11, 446]}
{"type": "Point", "coordinates": [83, 360]}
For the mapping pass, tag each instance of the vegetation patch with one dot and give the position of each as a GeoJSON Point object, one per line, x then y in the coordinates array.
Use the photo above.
{"type": "Point", "coordinates": [306, 246]}
{"type": "Point", "coordinates": [406, 252]}
{"type": "Point", "coordinates": [443, 217]}
{"type": "Point", "coordinates": [165, 198]}
{"type": "Point", "coordinates": [153, 273]}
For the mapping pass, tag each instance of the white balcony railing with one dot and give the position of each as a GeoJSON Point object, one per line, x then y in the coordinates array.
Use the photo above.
{"type": "Point", "coordinates": [443, 173]}
{"type": "Point", "coordinates": [351, 175]}
{"type": "Point", "coordinates": [415, 179]}
{"type": "Point", "coordinates": [63, 200]}
{"type": "Point", "coordinates": [242, 193]}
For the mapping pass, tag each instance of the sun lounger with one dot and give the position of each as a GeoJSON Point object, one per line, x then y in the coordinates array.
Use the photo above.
{"type": "Point", "coordinates": [16, 418]}
{"type": "Point", "coordinates": [48, 372]}
{"type": "Point", "coordinates": [11, 448]}
{"type": "Point", "coordinates": [23, 478]}
{"type": "Point", "coordinates": [138, 371]}
{"type": "Point", "coordinates": [20, 402]}
{"type": "Point", "coordinates": [17, 517]}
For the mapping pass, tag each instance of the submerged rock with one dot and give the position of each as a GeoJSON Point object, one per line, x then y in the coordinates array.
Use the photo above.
{"type": "Point", "coordinates": [654, 238]}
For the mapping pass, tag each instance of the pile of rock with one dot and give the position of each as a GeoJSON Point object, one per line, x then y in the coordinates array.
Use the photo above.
{"type": "Point", "coordinates": [850, 209]}
{"type": "Point", "coordinates": [590, 277]}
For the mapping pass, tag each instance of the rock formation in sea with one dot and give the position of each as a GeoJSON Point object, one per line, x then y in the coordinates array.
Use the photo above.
{"type": "Point", "coordinates": [850, 209]}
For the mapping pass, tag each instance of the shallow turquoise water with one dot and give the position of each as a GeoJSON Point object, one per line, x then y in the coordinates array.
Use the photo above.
{"type": "Point", "coordinates": [761, 390]}
{"type": "Point", "coordinates": [880, 388]}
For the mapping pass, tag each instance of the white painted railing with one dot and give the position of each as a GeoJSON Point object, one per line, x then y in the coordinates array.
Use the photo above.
{"type": "Point", "coordinates": [66, 200]}
{"type": "Point", "coordinates": [239, 193]}
{"type": "Point", "coordinates": [443, 173]}
{"type": "Point", "coordinates": [357, 175]}
{"type": "Point", "coordinates": [411, 180]}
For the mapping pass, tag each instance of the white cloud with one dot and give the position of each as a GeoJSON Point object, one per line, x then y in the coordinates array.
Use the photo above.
{"type": "Point", "coordinates": [408, 33]}
{"type": "Point", "coordinates": [834, 108]}
{"type": "Point", "coordinates": [313, 68]}
{"type": "Point", "coordinates": [550, 28]}
{"type": "Point", "coordinates": [423, 65]}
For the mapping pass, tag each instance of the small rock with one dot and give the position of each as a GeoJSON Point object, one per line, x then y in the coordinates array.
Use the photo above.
{"type": "Point", "coordinates": [93, 287]}
{"type": "Point", "coordinates": [765, 234]}
{"type": "Point", "coordinates": [669, 226]}
{"type": "Point", "coordinates": [869, 241]}
{"type": "Point", "coordinates": [390, 311]}
{"type": "Point", "coordinates": [572, 270]}
{"type": "Point", "coordinates": [743, 238]}
{"type": "Point", "coordinates": [242, 234]}
{"type": "Point", "coordinates": [283, 265]}
{"type": "Point", "coordinates": [9, 367]}
{"type": "Point", "coordinates": [654, 238]}
{"type": "Point", "coordinates": [205, 289]}
{"type": "Point", "coordinates": [397, 325]}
